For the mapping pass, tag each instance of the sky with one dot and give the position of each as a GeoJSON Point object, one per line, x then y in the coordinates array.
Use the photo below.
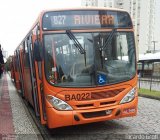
{"type": "Point", "coordinates": [18, 16]}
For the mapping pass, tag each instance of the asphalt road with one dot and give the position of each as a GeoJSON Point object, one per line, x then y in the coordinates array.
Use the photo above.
{"type": "Point", "coordinates": [146, 125]}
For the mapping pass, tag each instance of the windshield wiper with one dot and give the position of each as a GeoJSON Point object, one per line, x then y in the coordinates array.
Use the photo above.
{"type": "Point", "coordinates": [76, 42]}
{"type": "Point", "coordinates": [108, 40]}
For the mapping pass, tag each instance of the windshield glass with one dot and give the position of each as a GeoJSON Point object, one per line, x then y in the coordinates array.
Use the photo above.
{"type": "Point", "coordinates": [108, 58]}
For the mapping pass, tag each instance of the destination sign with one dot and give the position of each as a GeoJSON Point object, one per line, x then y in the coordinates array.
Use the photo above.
{"type": "Point", "coordinates": [64, 20]}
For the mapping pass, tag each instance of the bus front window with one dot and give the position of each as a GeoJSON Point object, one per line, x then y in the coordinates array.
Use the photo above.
{"type": "Point", "coordinates": [67, 66]}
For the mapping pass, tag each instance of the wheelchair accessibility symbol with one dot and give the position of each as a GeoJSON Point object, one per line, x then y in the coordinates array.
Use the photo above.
{"type": "Point", "coordinates": [101, 79]}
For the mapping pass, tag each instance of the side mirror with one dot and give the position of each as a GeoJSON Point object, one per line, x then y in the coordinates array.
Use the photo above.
{"type": "Point", "coordinates": [37, 51]}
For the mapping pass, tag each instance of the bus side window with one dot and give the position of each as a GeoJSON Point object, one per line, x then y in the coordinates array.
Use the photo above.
{"type": "Point", "coordinates": [49, 59]}
{"type": "Point", "coordinates": [26, 62]}
{"type": "Point", "coordinates": [16, 63]}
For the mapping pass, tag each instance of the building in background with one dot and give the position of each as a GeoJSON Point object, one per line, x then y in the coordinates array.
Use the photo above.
{"type": "Point", "coordinates": [146, 20]}
{"type": "Point", "coordinates": [99, 3]}
{"type": "Point", "coordinates": [150, 26]}
{"type": "Point", "coordinates": [157, 26]}
{"type": "Point", "coordinates": [147, 25]}
{"type": "Point", "coordinates": [89, 3]}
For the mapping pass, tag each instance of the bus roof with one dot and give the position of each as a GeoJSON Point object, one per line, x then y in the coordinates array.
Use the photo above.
{"type": "Point", "coordinates": [84, 8]}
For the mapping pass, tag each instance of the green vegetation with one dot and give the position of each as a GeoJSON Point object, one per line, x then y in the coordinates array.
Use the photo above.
{"type": "Point", "coordinates": [147, 92]}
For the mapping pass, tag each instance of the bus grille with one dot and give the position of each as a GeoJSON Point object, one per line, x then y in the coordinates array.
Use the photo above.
{"type": "Point", "coordinates": [105, 94]}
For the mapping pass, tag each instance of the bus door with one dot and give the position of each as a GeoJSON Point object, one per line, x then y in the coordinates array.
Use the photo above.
{"type": "Point", "coordinates": [27, 74]}
{"type": "Point", "coordinates": [38, 75]}
{"type": "Point", "coordinates": [33, 75]}
{"type": "Point", "coordinates": [20, 73]}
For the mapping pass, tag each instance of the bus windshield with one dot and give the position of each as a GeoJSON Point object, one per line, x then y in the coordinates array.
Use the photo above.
{"type": "Point", "coordinates": [108, 58]}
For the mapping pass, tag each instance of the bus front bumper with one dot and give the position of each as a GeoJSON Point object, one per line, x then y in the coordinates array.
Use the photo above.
{"type": "Point", "coordinates": [57, 118]}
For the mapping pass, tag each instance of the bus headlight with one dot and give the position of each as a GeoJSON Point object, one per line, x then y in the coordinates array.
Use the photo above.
{"type": "Point", "coordinates": [129, 96]}
{"type": "Point", "coordinates": [58, 103]}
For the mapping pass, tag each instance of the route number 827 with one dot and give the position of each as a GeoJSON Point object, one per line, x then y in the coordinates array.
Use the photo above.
{"type": "Point", "coordinates": [78, 97]}
{"type": "Point", "coordinates": [58, 20]}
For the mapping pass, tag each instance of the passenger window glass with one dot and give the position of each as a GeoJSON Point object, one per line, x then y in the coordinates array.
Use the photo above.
{"type": "Point", "coordinates": [26, 56]}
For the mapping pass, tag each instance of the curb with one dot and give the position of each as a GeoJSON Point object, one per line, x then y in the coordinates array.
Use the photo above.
{"type": "Point", "coordinates": [148, 96]}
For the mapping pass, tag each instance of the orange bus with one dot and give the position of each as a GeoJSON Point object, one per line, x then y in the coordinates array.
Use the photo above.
{"type": "Point", "coordinates": [78, 66]}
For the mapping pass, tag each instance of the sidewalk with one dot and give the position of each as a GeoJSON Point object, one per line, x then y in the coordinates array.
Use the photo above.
{"type": "Point", "coordinates": [15, 121]}
{"type": "Point", "coordinates": [6, 123]}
